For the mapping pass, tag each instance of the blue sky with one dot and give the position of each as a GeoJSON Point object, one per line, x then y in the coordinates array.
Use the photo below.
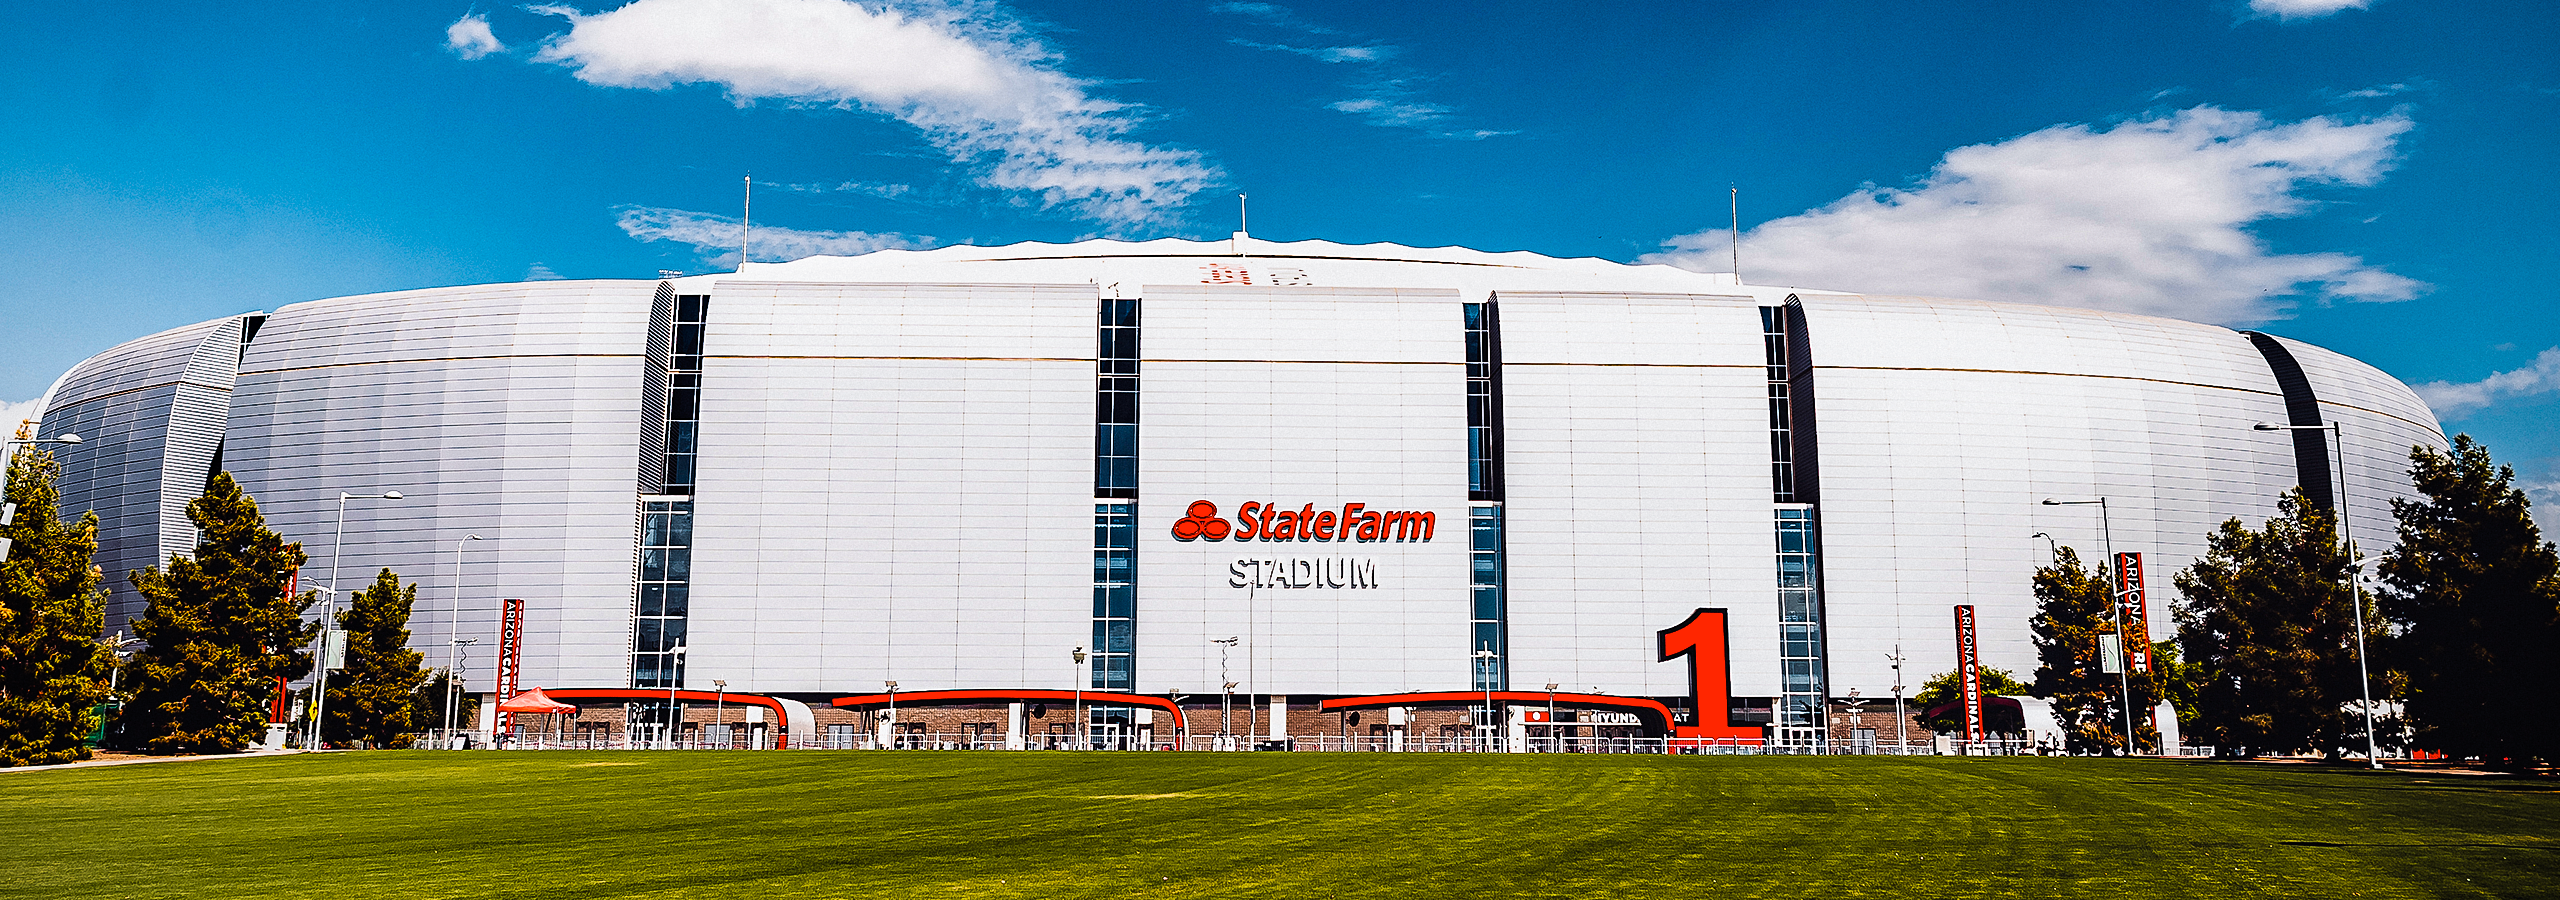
{"type": "Point", "coordinates": [2375, 177]}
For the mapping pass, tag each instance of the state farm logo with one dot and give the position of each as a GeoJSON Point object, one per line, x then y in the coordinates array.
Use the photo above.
{"type": "Point", "coordinates": [1270, 522]}
{"type": "Point", "coordinates": [1202, 522]}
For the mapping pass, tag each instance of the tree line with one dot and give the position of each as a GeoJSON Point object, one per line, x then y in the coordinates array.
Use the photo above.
{"type": "Point", "coordinates": [2461, 629]}
{"type": "Point", "coordinates": [223, 634]}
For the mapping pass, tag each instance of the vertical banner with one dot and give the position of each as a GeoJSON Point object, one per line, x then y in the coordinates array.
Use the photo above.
{"type": "Point", "coordinates": [1969, 672]}
{"type": "Point", "coordinates": [510, 659]}
{"type": "Point", "coordinates": [2137, 626]}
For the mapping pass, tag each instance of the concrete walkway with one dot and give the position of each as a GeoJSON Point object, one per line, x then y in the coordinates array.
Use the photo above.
{"type": "Point", "coordinates": [139, 760]}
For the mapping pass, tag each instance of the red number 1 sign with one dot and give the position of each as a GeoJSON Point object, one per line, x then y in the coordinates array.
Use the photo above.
{"type": "Point", "coordinates": [1702, 640]}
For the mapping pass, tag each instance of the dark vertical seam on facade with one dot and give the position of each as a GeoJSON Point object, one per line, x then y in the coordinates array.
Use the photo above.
{"type": "Point", "coordinates": [2301, 407]}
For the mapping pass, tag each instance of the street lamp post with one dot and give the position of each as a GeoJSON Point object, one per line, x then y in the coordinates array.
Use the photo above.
{"type": "Point", "coordinates": [2355, 592]}
{"type": "Point", "coordinates": [1901, 722]}
{"type": "Point", "coordinates": [1084, 725]}
{"type": "Point", "coordinates": [893, 713]}
{"type": "Point", "coordinates": [1226, 695]}
{"type": "Point", "coordinates": [2115, 607]}
{"type": "Point", "coordinates": [453, 641]}
{"type": "Point", "coordinates": [2052, 550]}
{"type": "Point", "coordinates": [329, 609]}
{"type": "Point", "coordinates": [675, 710]}
{"type": "Point", "coordinates": [1555, 741]}
{"type": "Point", "coordinates": [1484, 665]}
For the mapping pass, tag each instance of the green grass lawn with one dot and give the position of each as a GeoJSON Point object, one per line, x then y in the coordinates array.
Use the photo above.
{"type": "Point", "coordinates": [851, 824]}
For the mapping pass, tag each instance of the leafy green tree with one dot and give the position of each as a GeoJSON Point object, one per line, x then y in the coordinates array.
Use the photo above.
{"type": "Point", "coordinates": [2475, 591]}
{"type": "Point", "coordinates": [374, 699]}
{"type": "Point", "coordinates": [53, 671]}
{"type": "Point", "coordinates": [2074, 612]}
{"type": "Point", "coordinates": [1943, 688]}
{"type": "Point", "coordinates": [221, 630]}
{"type": "Point", "coordinates": [2268, 629]}
{"type": "Point", "coordinates": [431, 703]}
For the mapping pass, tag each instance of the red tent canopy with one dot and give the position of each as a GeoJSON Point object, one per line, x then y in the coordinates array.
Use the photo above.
{"type": "Point", "coordinates": [535, 701]}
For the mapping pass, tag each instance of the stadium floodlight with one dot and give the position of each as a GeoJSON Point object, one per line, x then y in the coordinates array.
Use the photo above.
{"type": "Point", "coordinates": [329, 609]}
{"type": "Point", "coordinates": [2355, 592]}
{"type": "Point", "coordinates": [2115, 607]}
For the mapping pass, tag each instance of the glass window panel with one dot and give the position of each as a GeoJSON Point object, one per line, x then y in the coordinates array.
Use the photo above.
{"type": "Point", "coordinates": [1488, 603]}
{"type": "Point", "coordinates": [678, 599]}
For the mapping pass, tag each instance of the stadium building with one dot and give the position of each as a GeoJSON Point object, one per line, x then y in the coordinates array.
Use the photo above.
{"type": "Point", "coordinates": [1343, 478]}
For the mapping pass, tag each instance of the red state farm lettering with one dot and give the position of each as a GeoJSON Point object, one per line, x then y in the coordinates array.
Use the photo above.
{"type": "Point", "coordinates": [1354, 522]}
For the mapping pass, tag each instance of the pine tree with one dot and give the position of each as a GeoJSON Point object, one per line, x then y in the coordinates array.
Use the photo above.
{"type": "Point", "coordinates": [2476, 593]}
{"type": "Point", "coordinates": [53, 671]}
{"type": "Point", "coordinates": [221, 630]}
{"type": "Point", "coordinates": [2268, 633]}
{"type": "Point", "coordinates": [375, 698]}
{"type": "Point", "coordinates": [2074, 612]}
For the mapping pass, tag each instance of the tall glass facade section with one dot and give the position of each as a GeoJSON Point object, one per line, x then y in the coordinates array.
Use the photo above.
{"type": "Point", "coordinates": [1113, 660]}
{"type": "Point", "coordinates": [1799, 715]}
{"type": "Point", "coordinates": [1486, 628]}
{"type": "Point", "coordinates": [666, 574]}
{"type": "Point", "coordinates": [663, 588]}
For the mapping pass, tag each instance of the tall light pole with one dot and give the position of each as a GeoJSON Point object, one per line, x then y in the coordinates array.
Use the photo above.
{"type": "Point", "coordinates": [1901, 722]}
{"type": "Point", "coordinates": [893, 714]}
{"type": "Point", "coordinates": [2355, 592]}
{"type": "Point", "coordinates": [1084, 725]}
{"type": "Point", "coordinates": [2052, 550]}
{"type": "Point", "coordinates": [1555, 741]}
{"type": "Point", "coordinates": [329, 609]}
{"type": "Point", "coordinates": [1484, 664]}
{"type": "Point", "coordinates": [719, 715]}
{"type": "Point", "coordinates": [453, 641]}
{"type": "Point", "coordinates": [2115, 608]}
{"type": "Point", "coordinates": [1227, 694]}
{"type": "Point", "coordinates": [675, 710]}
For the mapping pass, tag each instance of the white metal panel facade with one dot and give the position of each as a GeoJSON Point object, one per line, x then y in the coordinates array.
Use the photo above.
{"type": "Point", "coordinates": [2380, 420]}
{"type": "Point", "coordinates": [1637, 448]}
{"type": "Point", "coordinates": [1301, 396]}
{"type": "Point", "coordinates": [150, 413]}
{"type": "Point", "coordinates": [896, 484]}
{"type": "Point", "coordinates": [1945, 424]}
{"type": "Point", "coordinates": [896, 479]}
{"type": "Point", "coordinates": [507, 411]}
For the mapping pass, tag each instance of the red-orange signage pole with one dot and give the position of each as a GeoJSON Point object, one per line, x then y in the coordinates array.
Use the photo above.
{"type": "Point", "coordinates": [1969, 672]}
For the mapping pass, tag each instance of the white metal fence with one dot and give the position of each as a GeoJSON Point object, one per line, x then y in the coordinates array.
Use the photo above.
{"type": "Point", "coordinates": [865, 739]}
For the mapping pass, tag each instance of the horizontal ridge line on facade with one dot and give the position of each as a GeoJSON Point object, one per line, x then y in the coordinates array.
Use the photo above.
{"type": "Point", "coordinates": [246, 371]}
{"type": "Point", "coordinates": [1818, 368]}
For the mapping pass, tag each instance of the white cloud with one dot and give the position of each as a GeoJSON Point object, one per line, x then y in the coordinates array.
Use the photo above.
{"type": "Point", "coordinates": [866, 188]}
{"type": "Point", "coordinates": [1385, 94]}
{"type": "Point", "coordinates": [2148, 216]}
{"type": "Point", "coordinates": [2288, 10]}
{"type": "Point", "coordinates": [979, 88]}
{"type": "Point", "coordinates": [715, 237]}
{"type": "Point", "coordinates": [2453, 400]}
{"type": "Point", "coordinates": [13, 415]}
{"type": "Point", "coordinates": [540, 272]}
{"type": "Point", "coordinates": [469, 37]}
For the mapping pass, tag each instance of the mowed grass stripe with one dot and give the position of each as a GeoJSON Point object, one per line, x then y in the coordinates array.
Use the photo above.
{"type": "Point", "coordinates": [842, 824]}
